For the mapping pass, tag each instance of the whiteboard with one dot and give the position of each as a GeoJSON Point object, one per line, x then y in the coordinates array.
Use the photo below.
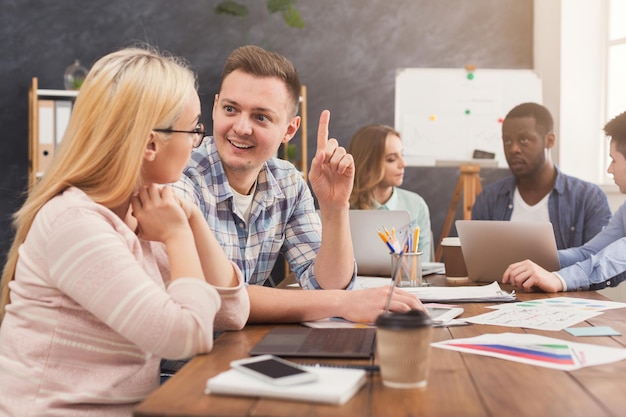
{"type": "Point", "coordinates": [447, 113]}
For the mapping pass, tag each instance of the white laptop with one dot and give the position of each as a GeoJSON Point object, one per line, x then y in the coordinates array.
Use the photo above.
{"type": "Point", "coordinates": [490, 246]}
{"type": "Point", "coordinates": [371, 254]}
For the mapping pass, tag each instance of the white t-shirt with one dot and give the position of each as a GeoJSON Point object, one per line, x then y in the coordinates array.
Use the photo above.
{"type": "Point", "coordinates": [522, 212]}
{"type": "Point", "coordinates": [243, 203]}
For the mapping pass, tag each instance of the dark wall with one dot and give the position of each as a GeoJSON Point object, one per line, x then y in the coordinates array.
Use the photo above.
{"type": "Point", "coordinates": [437, 185]}
{"type": "Point", "coordinates": [346, 55]}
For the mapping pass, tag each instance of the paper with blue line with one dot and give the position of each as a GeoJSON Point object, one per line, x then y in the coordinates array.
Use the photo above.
{"type": "Point", "coordinates": [536, 350]}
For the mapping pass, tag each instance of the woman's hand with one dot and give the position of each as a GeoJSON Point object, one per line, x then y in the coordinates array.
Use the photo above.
{"type": "Point", "coordinates": [160, 215]}
{"type": "Point", "coordinates": [189, 208]}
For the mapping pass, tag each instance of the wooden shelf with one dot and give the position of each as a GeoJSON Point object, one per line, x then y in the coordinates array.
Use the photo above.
{"type": "Point", "coordinates": [56, 93]}
{"type": "Point", "coordinates": [304, 159]}
{"type": "Point", "coordinates": [57, 104]}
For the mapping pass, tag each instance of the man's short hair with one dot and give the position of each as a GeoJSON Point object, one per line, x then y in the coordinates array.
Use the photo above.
{"type": "Point", "coordinates": [258, 62]}
{"type": "Point", "coordinates": [616, 129]}
{"type": "Point", "coordinates": [540, 113]}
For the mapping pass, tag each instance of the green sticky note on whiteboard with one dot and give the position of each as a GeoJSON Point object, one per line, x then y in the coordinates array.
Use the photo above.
{"type": "Point", "coordinates": [593, 331]}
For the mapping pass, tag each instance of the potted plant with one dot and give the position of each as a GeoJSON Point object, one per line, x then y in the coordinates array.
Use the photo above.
{"type": "Point", "coordinates": [286, 8]}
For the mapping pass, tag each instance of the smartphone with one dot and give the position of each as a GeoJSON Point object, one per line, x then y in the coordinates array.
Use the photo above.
{"type": "Point", "coordinates": [441, 314]}
{"type": "Point", "coordinates": [273, 369]}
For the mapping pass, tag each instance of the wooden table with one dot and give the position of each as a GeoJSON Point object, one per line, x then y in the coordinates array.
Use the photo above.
{"type": "Point", "coordinates": [460, 384]}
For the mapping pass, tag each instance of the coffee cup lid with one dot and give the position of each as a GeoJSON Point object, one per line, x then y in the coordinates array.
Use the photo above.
{"type": "Point", "coordinates": [406, 320]}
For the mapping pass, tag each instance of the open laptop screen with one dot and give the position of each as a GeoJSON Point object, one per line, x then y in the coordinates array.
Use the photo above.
{"type": "Point", "coordinates": [372, 257]}
{"type": "Point", "coordinates": [490, 246]}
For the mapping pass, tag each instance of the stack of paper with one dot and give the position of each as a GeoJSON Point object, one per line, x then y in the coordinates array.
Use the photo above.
{"type": "Point", "coordinates": [463, 294]}
{"type": "Point", "coordinates": [429, 268]}
{"type": "Point", "coordinates": [546, 314]}
{"type": "Point", "coordinates": [333, 386]}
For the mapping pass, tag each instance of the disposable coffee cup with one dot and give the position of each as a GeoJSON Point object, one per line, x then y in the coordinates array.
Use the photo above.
{"type": "Point", "coordinates": [456, 272]}
{"type": "Point", "coordinates": [403, 348]}
{"type": "Point", "coordinates": [410, 272]}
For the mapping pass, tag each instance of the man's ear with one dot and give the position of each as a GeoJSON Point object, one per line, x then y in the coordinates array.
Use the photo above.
{"type": "Point", "coordinates": [292, 128]}
{"type": "Point", "coordinates": [152, 148]}
{"type": "Point", "coordinates": [550, 138]}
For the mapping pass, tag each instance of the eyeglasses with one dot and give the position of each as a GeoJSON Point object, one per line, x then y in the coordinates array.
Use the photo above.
{"type": "Point", "coordinates": [199, 133]}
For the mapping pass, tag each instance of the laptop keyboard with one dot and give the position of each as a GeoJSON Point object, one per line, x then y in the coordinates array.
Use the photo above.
{"type": "Point", "coordinates": [338, 340]}
{"type": "Point", "coordinates": [169, 367]}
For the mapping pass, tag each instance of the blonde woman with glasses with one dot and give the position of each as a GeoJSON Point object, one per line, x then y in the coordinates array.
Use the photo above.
{"type": "Point", "coordinates": [109, 272]}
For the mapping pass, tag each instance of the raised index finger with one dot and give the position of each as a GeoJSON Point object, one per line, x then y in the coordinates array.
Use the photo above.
{"type": "Point", "coordinates": [322, 130]}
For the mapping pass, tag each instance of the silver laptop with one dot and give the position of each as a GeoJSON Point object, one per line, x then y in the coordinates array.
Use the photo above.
{"type": "Point", "coordinates": [371, 254]}
{"type": "Point", "coordinates": [490, 246]}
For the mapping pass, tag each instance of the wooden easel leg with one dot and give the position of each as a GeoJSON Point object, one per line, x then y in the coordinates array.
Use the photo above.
{"type": "Point", "coordinates": [469, 184]}
{"type": "Point", "coordinates": [471, 188]}
{"type": "Point", "coordinates": [447, 224]}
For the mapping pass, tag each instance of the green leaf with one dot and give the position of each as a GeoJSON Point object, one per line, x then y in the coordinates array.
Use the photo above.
{"type": "Point", "coordinates": [292, 152]}
{"type": "Point", "coordinates": [231, 8]}
{"type": "Point", "coordinates": [280, 5]}
{"type": "Point", "coordinates": [292, 18]}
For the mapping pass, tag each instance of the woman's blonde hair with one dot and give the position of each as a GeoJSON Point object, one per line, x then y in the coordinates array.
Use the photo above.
{"type": "Point", "coordinates": [367, 147]}
{"type": "Point", "coordinates": [125, 96]}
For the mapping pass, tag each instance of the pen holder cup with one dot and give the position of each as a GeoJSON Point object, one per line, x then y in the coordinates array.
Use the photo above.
{"type": "Point", "coordinates": [403, 348]}
{"type": "Point", "coordinates": [410, 272]}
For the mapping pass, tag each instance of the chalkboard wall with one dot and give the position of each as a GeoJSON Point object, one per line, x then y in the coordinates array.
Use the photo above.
{"type": "Point", "coordinates": [347, 55]}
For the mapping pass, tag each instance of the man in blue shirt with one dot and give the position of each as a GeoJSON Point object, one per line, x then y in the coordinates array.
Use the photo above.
{"type": "Point", "coordinates": [601, 262]}
{"type": "Point", "coordinates": [538, 190]}
{"type": "Point", "coordinates": [259, 206]}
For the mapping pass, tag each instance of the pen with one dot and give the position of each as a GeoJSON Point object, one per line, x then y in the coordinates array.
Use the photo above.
{"type": "Point", "coordinates": [383, 237]}
{"type": "Point", "coordinates": [416, 236]}
{"type": "Point", "coordinates": [386, 241]}
{"type": "Point", "coordinates": [367, 368]}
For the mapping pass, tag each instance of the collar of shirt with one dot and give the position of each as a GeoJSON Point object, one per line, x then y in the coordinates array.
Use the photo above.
{"type": "Point", "coordinates": [267, 186]}
{"type": "Point", "coordinates": [391, 203]}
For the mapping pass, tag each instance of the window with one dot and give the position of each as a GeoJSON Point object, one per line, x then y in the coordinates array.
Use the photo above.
{"type": "Point", "coordinates": [616, 63]}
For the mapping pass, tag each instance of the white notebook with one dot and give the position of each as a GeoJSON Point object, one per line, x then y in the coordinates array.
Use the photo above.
{"type": "Point", "coordinates": [333, 386]}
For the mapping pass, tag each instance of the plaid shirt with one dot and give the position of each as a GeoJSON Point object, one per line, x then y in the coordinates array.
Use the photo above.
{"type": "Point", "coordinates": [282, 219]}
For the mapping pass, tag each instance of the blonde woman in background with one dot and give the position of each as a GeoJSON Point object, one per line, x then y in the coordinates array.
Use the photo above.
{"type": "Point", "coordinates": [379, 172]}
{"type": "Point", "coordinates": [109, 271]}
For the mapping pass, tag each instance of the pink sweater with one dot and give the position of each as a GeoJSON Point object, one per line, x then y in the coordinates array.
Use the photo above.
{"type": "Point", "coordinates": [92, 313]}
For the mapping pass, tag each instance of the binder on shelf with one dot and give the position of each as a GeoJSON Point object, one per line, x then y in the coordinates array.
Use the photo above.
{"type": "Point", "coordinates": [49, 114]}
{"type": "Point", "coordinates": [62, 113]}
{"type": "Point", "coordinates": [46, 140]}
